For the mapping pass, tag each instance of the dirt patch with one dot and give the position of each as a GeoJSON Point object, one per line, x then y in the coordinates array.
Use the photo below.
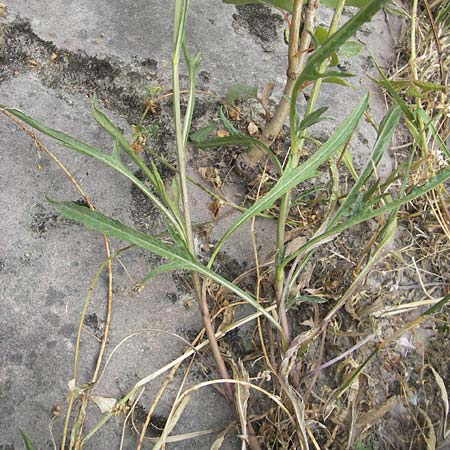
{"type": "Point", "coordinates": [261, 22]}
{"type": "Point", "coordinates": [43, 219]}
{"type": "Point", "coordinates": [120, 86]}
{"type": "Point", "coordinates": [156, 425]}
{"type": "Point", "coordinates": [145, 214]}
{"type": "Point", "coordinates": [95, 324]}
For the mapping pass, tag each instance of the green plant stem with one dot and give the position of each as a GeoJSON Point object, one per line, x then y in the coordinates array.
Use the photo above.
{"type": "Point", "coordinates": [279, 270]}
{"type": "Point", "coordinates": [297, 55]}
{"type": "Point", "coordinates": [181, 134]}
{"type": "Point", "coordinates": [296, 149]}
{"type": "Point", "coordinates": [180, 17]}
{"type": "Point", "coordinates": [296, 60]}
{"type": "Point", "coordinates": [415, 76]}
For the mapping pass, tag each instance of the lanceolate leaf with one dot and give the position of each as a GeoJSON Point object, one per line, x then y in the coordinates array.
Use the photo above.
{"type": "Point", "coordinates": [311, 119]}
{"type": "Point", "coordinates": [202, 133]}
{"type": "Point", "coordinates": [429, 124]}
{"type": "Point", "coordinates": [112, 160]}
{"type": "Point", "coordinates": [26, 440]}
{"type": "Point", "coordinates": [332, 44]}
{"type": "Point", "coordinates": [162, 268]}
{"type": "Point", "coordinates": [400, 102]}
{"type": "Point", "coordinates": [96, 221]}
{"type": "Point", "coordinates": [337, 80]}
{"type": "Point", "coordinates": [293, 177]}
{"type": "Point", "coordinates": [386, 130]}
{"type": "Point", "coordinates": [104, 121]}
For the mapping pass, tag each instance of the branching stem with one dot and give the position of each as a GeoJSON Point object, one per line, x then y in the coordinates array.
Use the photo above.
{"type": "Point", "coordinates": [296, 150]}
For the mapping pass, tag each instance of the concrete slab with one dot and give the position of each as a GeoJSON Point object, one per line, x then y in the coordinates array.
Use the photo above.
{"type": "Point", "coordinates": [52, 57]}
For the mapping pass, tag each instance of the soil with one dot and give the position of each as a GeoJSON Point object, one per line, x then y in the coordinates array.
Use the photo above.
{"type": "Point", "coordinates": [261, 22]}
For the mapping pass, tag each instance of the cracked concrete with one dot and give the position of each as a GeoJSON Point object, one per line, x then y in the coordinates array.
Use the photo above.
{"type": "Point", "coordinates": [51, 60]}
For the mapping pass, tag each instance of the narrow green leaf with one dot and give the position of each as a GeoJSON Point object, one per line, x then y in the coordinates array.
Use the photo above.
{"type": "Point", "coordinates": [400, 102]}
{"type": "Point", "coordinates": [64, 139]}
{"type": "Point", "coordinates": [116, 151]}
{"type": "Point", "coordinates": [162, 268]}
{"type": "Point", "coordinates": [228, 125]}
{"type": "Point", "coordinates": [347, 159]}
{"type": "Point", "coordinates": [331, 45]}
{"type": "Point", "coordinates": [224, 141]}
{"type": "Point", "coordinates": [97, 221]}
{"type": "Point", "coordinates": [312, 118]}
{"type": "Point", "coordinates": [241, 91]}
{"type": "Point", "coordinates": [104, 121]}
{"type": "Point", "coordinates": [193, 67]}
{"type": "Point", "coordinates": [368, 214]}
{"type": "Point", "coordinates": [26, 440]}
{"type": "Point", "coordinates": [304, 299]}
{"type": "Point", "coordinates": [386, 130]}
{"type": "Point", "coordinates": [110, 160]}
{"type": "Point", "coordinates": [430, 87]}
{"type": "Point", "coordinates": [443, 14]}
{"type": "Point", "coordinates": [202, 134]}
{"type": "Point", "coordinates": [335, 73]}
{"type": "Point", "coordinates": [349, 381]}
{"type": "Point", "coordinates": [437, 306]}
{"type": "Point", "coordinates": [337, 80]}
{"type": "Point", "coordinates": [429, 124]}
{"type": "Point", "coordinates": [293, 177]}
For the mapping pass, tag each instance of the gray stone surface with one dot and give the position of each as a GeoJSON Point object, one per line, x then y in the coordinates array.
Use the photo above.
{"type": "Point", "coordinates": [47, 263]}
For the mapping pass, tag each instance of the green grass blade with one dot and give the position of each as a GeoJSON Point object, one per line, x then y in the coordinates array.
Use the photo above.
{"type": "Point", "coordinates": [293, 177]}
{"type": "Point", "coordinates": [96, 221]}
{"type": "Point", "coordinates": [349, 381]}
{"type": "Point", "coordinates": [26, 440]}
{"type": "Point", "coordinates": [386, 130]}
{"type": "Point", "coordinates": [437, 306]}
{"type": "Point", "coordinates": [392, 91]}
